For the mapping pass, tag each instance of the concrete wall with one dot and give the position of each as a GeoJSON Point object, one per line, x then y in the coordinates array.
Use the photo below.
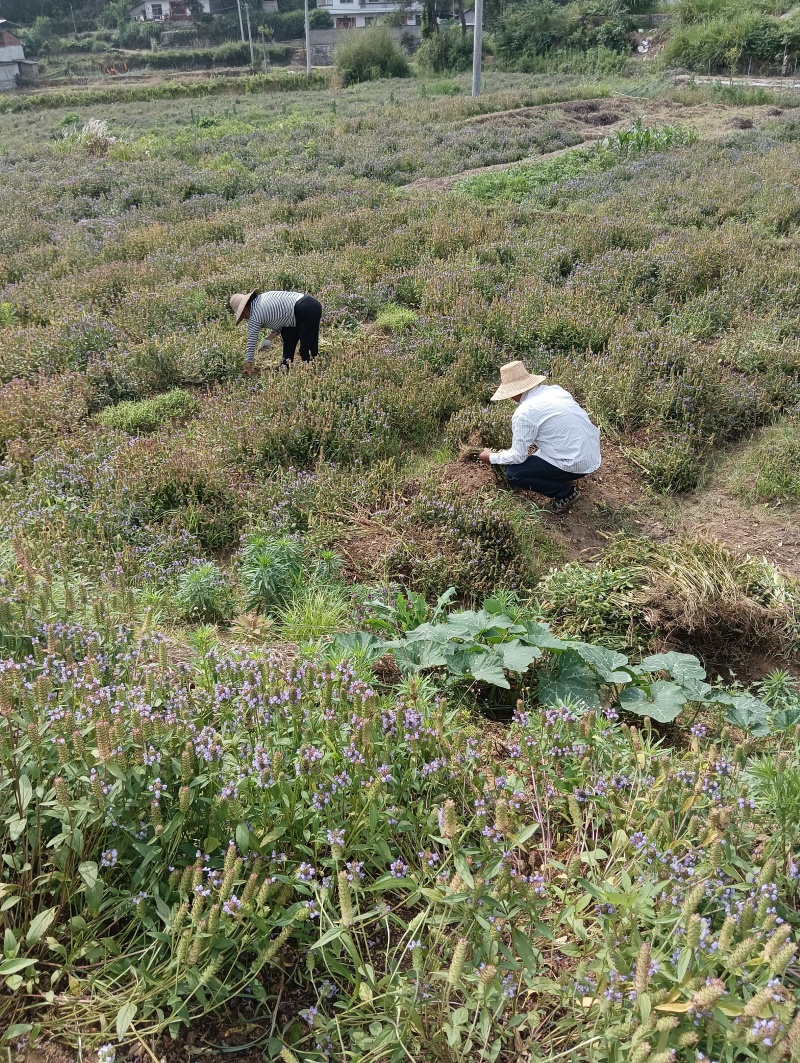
{"type": "Point", "coordinates": [8, 76]}
{"type": "Point", "coordinates": [11, 53]}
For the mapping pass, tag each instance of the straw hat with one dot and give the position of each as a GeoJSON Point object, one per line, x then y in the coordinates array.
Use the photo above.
{"type": "Point", "coordinates": [239, 303]}
{"type": "Point", "coordinates": [515, 380]}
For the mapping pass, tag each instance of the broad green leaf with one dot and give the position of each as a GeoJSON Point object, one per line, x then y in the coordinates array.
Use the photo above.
{"type": "Point", "coordinates": [414, 656]}
{"type": "Point", "coordinates": [683, 963]}
{"type": "Point", "coordinates": [518, 658]}
{"type": "Point", "coordinates": [748, 713]}
{"type": "Point", "coordinates": [474, 623]}
{"type": "Point", "coordinates": [10, 943]}
{"type": "Point", "coordinates": [16, 827]}
{"type": "Point", "coordinates": [243, 838]}
{"type": "Point", "coordinates": [664, 704]}
{"type": "Point", "coordinates": [524, 949]}
{"type": "Point", "coordinates": [125, 1017]}
{"type": "Point", "coordinates": [680, 666]}
{"type": "Point", "coordinates": [786, 718]}
{"type": "Point", "coordinates": [574, 682]}
{"type": "Point", "coordinates": [540, 635]}
{"type": "Point", "coordinates": [19, 1029]}
{"type": "Point", "coordinates": [25, 791]}
{"type": "Point", "coordinates": [333, 934]}
{"type": "Point", "coordinates": [462, 867]}
{"type": "Point", "coordinates": [490, 670]}
{"type": "Point", "coordinates": [39, 926]}
{"type": "Point", "coordinates": [607, 663]}
{"type": "Point", "coordinates": [88, 871]}
{"type": "Point", "coordinates": [14, 965]}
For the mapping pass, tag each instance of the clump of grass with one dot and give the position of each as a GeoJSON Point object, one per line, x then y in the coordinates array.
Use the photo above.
{"type": "Point", "coordinates": [148, 414]}
{"type": "Point", "coordinates": [395, 318]}
{"type": "Point", "coordinates": [315, 611]}
{"type": "Point", "coordinates": [770, 469]}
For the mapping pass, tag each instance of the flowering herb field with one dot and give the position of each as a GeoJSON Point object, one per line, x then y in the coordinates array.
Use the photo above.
{"type": "Point", "coordinates": [251, 629]}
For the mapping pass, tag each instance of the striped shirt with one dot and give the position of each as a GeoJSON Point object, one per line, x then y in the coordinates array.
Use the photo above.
{"type": "Point", "coordinates": [550, 418]}
{"type": "Point", "coordinates": [272, 310]}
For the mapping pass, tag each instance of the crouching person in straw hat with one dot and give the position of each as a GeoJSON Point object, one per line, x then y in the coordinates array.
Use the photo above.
{"type": "Point", "coordinates": [292, 315]}
{"type": "Point", "coordinates": [547, 416]}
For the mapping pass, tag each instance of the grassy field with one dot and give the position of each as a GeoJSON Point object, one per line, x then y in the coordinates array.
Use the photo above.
{"type": "Point", "coordinates": [315, 741]}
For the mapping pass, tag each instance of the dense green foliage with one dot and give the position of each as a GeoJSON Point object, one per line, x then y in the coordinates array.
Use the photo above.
{"type": "Point", "coordinates": [369, 56]}
{"type": "Point", "coordinates": [734, 35]}
{"type": "Point", "coordinates": [447, 51]}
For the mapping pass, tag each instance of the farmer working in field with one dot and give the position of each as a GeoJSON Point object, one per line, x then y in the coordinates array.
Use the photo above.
{"type": "Point", "coordinates": [292, 315]}
{"type": "Point", "coordinates": [547, 416]}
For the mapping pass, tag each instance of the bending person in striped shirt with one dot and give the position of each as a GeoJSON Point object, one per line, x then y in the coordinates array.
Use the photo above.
{"type": "Point", "coordinates": [293, 316]}
{"type": "Point", "coordinates": [547, 417]}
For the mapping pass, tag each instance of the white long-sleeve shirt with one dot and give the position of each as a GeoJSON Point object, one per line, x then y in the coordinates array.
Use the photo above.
{"type": "Point", "coordinates": [550, 418]}
{"type": "Point", "coordinates": [272, 310]}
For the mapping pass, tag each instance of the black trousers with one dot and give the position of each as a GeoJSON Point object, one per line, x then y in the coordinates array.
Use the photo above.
{"type": "Point", "coordinates": [307, 315]}
{"type": "Point", "coordinates": [539, 475]}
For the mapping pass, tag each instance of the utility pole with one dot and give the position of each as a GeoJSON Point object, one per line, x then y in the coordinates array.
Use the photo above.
{"type": "Point", "coordinates": [249, 34]}
{"type": "Point", "coordinates": [477, 48]}
{"type": "Point", "coordinates": [241, 24]}
{"type": "Point", "coordinates": [308, 40]}
{"type": "Point", "coordinates": [72, 12]}
{"type": "Point", "coordinates": [264, 48]}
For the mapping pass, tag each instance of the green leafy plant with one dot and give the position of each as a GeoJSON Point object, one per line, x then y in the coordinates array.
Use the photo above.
{"type": "Point", "coordinates": [270, 570]}
{"type": "Point", "coordinates": [488, 644]}
{"type": "Point", "coordinates": [203, 593]}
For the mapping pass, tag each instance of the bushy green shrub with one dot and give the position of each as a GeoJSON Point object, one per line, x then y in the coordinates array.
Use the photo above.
{"type": "Point", "coordinates": [320, 19]}
{"type": "Point", "coordinates": [234, 53]}
{"type": "Point", "coordinates": [271, 570]}
{"type": "Point", "coordinates": [447, 51]}
{"type": "Point", "coordinates": [203, 594]}
{"type": "Point", "coordinates": [369, 56]}
{"type": "Point", "coordinates": [149, 414]}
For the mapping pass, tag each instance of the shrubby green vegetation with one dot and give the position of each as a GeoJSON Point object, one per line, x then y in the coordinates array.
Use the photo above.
{"type": "Point", "coordinates": [770, 469]}
{"type": "Point", "coordinates": [369, 56]}
{"type": "Point", "coordinates": [252, 628]}
{"type": "Point", "coordinates": [734, 35]}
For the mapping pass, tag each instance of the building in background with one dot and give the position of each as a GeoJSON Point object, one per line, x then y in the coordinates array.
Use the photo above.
{"type": "Point", "coordinates": [172, 10]}
{"type": "Point", "coordinates": [15, 69]}
{"type": "Point", "coordinates": [354, 14]}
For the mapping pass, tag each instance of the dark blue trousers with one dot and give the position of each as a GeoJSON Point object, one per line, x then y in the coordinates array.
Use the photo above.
{"type": "Point", "coordinates": [539, 475]}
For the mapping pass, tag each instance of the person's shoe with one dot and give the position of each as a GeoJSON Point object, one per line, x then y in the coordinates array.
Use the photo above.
{"type": "Point", "coordinates": [562, 505]}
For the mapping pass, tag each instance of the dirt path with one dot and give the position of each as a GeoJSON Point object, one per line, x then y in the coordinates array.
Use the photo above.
{"type": "Point", "coordinates": [595, 119]}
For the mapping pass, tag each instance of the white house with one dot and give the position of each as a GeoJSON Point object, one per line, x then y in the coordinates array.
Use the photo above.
{"type": "Point", "coordinates": [166, 10]}
{"type": "Point", "coordinates": [347, 14]}
{"type": "Point", "coordinates": [14, 67]}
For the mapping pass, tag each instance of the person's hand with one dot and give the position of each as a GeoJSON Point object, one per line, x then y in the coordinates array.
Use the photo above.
{"type": "Point", "coordinates": [249, 369]}
{"type": "Point", "coordinates": [484, 456]}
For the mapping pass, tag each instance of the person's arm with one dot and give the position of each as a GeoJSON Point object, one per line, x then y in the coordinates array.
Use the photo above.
{"type": "Point", "coordinates": [522, 436]}
{"type": "Point", "coordinates": [253, 329]}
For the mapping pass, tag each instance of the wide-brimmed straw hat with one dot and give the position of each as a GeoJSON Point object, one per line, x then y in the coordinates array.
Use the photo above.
{"type": "Point", "coordinates": [514, 380]}
{"type": "Point", "coordinates": [239, 303]}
